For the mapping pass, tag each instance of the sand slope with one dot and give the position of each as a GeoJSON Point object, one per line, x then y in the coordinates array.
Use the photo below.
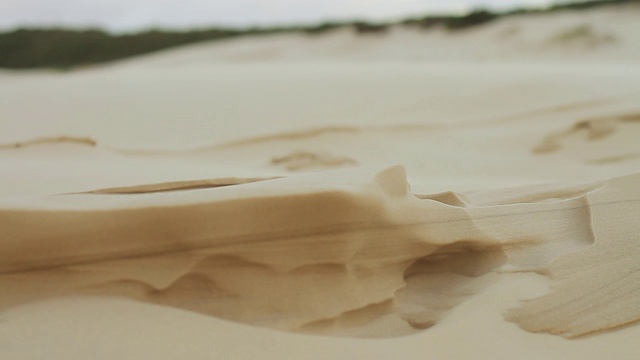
{"type": "Point", "coordinates": [193, 209]}
{"type": "Point", "coordinates": [600, 35]}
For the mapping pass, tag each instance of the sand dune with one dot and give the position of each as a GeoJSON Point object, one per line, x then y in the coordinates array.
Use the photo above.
{"type": "Point", "coordinates": [599, 35]}
{"type": "Point", "coordinates": [235, 200]}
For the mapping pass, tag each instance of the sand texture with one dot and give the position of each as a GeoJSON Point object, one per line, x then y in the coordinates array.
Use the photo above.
{"type": "Point", "coordinates": [192, 204]}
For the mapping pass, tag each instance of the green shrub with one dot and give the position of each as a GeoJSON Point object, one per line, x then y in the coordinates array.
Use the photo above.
{"type": "Point", "coordinates": [60, 48]}
{"type": "Point", "coordinates": [475, 18]}
{"type": "Point", "coordinates": [367, 28]}
{"type": "Point", "coordinates": [322, 28]}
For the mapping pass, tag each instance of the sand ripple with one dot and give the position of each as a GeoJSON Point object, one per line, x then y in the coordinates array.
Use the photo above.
{"type": "Point", "coordinates": [330, 252]}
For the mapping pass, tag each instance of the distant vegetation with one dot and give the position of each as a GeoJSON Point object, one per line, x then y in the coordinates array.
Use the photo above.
{"type": "Point", "coordinates": [367, 28]}
{"type": "Point", "coordinates": [322, 28]}
{"type": "Point", "coordinates": [64, 48]}
{"type": "Point", "coordinates": [474, 18]}
{"type": "Point", "coordinates": [481, 16]}
{"type": "Point", "coordinates": [59, 48]}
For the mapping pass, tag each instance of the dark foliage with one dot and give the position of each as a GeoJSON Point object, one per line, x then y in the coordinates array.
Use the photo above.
{"type": "Point", "coordinates": [570, 5]}
{"type": "Point", "coordinates": [59, 48]}
{"type": "Point", "coordinates": [475, 18]}
{"type": "Point", "coordinates": [367, 28]}
{"type": "Point", "coordinates": [322, 28]}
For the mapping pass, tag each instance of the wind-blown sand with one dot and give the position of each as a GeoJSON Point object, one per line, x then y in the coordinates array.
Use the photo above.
{"type": "Point", "coordinates": [328, 210]}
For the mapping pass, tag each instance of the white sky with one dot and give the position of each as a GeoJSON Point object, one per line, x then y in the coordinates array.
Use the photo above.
{"type": "Point", "coordinates": [125, 15]}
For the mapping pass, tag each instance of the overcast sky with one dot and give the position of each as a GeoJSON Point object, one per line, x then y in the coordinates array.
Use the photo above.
{"type": "Point", "coordinates": [126, 15]}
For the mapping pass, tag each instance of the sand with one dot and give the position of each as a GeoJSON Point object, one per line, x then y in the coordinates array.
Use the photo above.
{"type": "Point", "coordinates": [193, 205]}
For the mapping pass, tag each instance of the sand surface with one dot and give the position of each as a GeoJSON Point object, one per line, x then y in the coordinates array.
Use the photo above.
{"type": "Point", "coordinates": [194, 205]}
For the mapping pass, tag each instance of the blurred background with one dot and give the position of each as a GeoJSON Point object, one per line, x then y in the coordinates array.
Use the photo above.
{"type": "Point", "coordinates": [64, 34]}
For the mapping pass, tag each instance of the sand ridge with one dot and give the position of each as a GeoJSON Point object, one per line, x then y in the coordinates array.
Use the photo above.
{"type": "Point", "coordinates": [369, 239]}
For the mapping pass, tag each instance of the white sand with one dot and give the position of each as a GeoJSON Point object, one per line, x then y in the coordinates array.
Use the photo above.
{"type": "Point", "coordinates": [603, 35]}
{"type": "Point", "coordinates": [182, 206]}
